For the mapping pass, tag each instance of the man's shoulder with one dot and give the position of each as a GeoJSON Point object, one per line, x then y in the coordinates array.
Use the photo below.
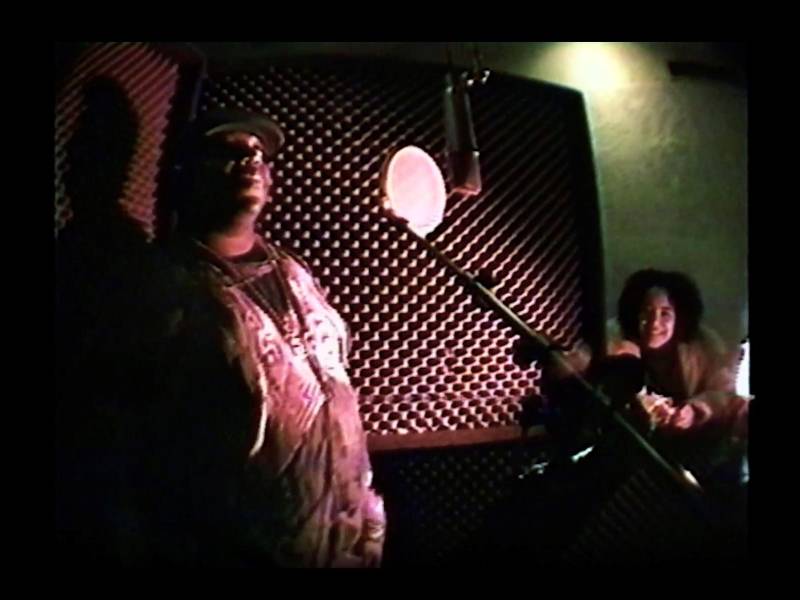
{"type": "Point", "coordinates": [297, 265]}
{"type": "Point", "coordinates": [288, 255]}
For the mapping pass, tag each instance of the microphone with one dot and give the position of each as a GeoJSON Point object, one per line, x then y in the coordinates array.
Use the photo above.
{"type": "Point", "coordinates": [462, 148]}
{"type": "Point", "coordinates": [621, 376]}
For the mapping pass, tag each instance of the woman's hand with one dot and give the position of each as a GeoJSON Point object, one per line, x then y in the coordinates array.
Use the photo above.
{"type": "Point", "coordinates": [660, 409]}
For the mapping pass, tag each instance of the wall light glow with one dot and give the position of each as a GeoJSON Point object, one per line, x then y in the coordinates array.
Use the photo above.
{"type": "Point", "coordinates": [596, 66]}
{"type": "Point", "coordinates": [743, 373]}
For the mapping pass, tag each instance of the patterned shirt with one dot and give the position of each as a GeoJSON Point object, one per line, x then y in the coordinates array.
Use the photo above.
{"type": "Point", "coordinates": [304, 498]}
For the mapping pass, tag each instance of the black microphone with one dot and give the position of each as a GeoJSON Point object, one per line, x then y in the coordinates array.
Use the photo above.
{"type": "Point", "coordinates": [621, 376]}
{"type": "Point", "coordinates": [462, 148]}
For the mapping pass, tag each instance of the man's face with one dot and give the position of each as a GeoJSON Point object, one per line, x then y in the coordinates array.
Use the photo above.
{"type": "Point", "coordinates": [232, 166]}
{"type": "Point", "coordinates": [656, 319]}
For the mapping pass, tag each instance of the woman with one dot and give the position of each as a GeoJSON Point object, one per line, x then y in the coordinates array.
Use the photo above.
{"type": "Point", "coordinates": [689, 375]}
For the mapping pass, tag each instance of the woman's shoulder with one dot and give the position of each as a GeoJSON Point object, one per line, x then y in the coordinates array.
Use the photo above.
{"type": "Point", "coordinates": [709, 348]}
{"type": "Point", "coordinates": [707, 340]}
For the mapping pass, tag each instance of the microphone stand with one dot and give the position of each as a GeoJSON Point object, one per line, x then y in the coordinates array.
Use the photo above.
{"type": "Point", "coordinates": [481, 291]}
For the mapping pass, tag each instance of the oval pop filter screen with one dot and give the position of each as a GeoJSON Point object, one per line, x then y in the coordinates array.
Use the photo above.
{"type": "Point", "coordinates": [415, 189]}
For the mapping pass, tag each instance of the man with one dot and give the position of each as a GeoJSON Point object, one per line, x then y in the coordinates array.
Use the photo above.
{"type": "Point", "coordinates": [279, 465]}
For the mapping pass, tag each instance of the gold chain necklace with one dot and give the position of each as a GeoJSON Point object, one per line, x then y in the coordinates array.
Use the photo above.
{"type": "Point", "coordinates": [291, 324]}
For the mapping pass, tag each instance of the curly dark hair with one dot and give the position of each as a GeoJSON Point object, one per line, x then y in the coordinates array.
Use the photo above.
{"type": "Point", "coordinates": [682, 291]}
